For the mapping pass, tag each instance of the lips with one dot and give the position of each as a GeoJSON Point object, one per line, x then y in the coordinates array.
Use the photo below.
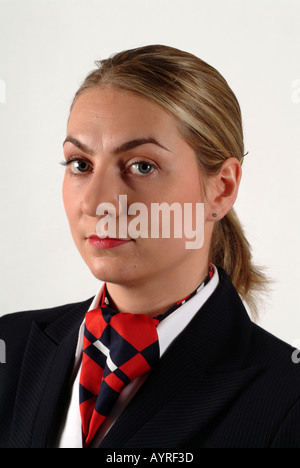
{"type": "Point", "coordinates": [107, 242]}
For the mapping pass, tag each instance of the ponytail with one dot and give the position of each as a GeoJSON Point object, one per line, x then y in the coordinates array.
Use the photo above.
{"type": "Point", "coordinates": [231, 251]}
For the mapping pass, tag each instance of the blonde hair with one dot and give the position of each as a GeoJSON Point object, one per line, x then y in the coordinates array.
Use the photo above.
{"type": "Point", "coordinates": [210, 121]}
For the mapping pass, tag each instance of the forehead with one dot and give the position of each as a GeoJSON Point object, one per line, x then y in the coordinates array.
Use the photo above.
{"type": "Point", "coordinates": [111, 111]}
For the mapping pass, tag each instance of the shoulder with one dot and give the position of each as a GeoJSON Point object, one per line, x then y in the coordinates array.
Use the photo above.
{"type": "Point", "coordinates": [276, 390]}
{"type": "Point", "coordinates": [252, 346]}
{"type": "Point", "coordinates": [17, 331]}
{"type": "Point", "coordinates": [46, 315]}
{"type": "Point", "coordinates": [269, 405]}
{"type": "Point", "coordinates": [262, 347]}
{"type": "Point", "coordinates": [274, 354]}
{"type": "Point", "coordinates": [15, 327]}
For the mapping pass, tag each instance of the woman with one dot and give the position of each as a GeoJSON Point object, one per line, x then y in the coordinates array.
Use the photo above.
{"type": "Point", "coordinates": [165, 354]}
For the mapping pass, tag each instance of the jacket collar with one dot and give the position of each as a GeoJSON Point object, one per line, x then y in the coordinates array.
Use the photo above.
{"type": "Point", "coordinates": [218, 336]}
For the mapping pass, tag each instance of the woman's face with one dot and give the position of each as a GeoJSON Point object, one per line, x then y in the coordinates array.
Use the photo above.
{"type": "Point", "coordinates": [119, 143]}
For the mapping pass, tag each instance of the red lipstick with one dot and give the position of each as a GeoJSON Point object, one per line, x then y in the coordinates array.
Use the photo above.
{"type": "Point", "coordinates": [106, 243]}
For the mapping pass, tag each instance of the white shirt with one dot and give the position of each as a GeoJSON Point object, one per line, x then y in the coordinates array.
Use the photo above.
{"type": "Point", "coordinates": [167, 330]}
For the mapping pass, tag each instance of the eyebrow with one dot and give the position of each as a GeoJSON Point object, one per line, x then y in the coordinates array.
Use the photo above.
{"type": "Point", "coordinates": [135, 143]}
{"type": "Point", "coordinates": [78, 144]}
{"type": "Point", "coordinates": [129, 145]}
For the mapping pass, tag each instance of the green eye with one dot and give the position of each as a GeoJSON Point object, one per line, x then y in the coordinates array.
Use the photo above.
{"type": "Point", "coordinates": [142, 167]}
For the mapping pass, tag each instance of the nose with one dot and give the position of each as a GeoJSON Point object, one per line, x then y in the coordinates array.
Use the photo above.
{"type": "Point", "coordinates": [103, 188]}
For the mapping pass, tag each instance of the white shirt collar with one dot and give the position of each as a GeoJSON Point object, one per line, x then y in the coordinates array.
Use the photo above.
{"type": "Point", "coordinates": [169, 328]}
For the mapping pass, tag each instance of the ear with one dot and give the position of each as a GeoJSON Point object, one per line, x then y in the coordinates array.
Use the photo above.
{"type": "Point", "coordinates": [223, 189]}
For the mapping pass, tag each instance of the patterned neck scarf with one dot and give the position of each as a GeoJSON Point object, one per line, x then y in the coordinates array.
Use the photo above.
{"type": "Point", "coordinates": [117, 348]}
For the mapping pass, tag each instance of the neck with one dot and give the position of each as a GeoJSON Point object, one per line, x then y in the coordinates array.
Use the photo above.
{"type": "Point", "coordinates": [155, 296]}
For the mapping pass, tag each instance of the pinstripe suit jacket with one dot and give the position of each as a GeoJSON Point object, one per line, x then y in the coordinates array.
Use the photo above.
{"type": "Point", "coordinates": [224, 382]}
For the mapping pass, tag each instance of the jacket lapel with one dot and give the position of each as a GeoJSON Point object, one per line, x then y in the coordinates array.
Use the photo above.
{"type": "Point", "coordinates": [177, 402]}
{"type": "Point", "coordinates": [47, 363]}
{"type": "Point", "coordinates": [201, 373]}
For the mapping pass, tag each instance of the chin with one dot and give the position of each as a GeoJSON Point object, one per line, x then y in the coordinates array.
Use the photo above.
{"type": "Point", "coordinates": [110, 271]}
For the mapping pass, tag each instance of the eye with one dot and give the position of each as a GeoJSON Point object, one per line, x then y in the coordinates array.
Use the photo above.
{"type": "Point", "coordinates": [77, 166]}
{"type": "Point", "coordinates": [142, 168]}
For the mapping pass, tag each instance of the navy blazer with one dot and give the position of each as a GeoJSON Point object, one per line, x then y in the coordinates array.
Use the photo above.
{"type": "Point", "coordinates": [223, 383]}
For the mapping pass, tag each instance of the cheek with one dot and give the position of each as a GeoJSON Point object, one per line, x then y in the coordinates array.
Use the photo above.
{"type": "Point", "coordinates": [188, 185]}
{"type": "Point", "coordinates": [192, 188]}
{"type": "Point", "coordinates": [66, 196]}
{"type": "Point", "coordinates": [70, 200]}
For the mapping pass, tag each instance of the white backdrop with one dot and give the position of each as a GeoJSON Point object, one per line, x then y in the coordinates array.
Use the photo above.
{"type": "Point", "coordinates": [47, 47]}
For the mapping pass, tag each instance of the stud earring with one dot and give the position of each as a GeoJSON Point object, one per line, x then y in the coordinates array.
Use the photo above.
{"type": "Point", "coordinates": [215, 215]}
